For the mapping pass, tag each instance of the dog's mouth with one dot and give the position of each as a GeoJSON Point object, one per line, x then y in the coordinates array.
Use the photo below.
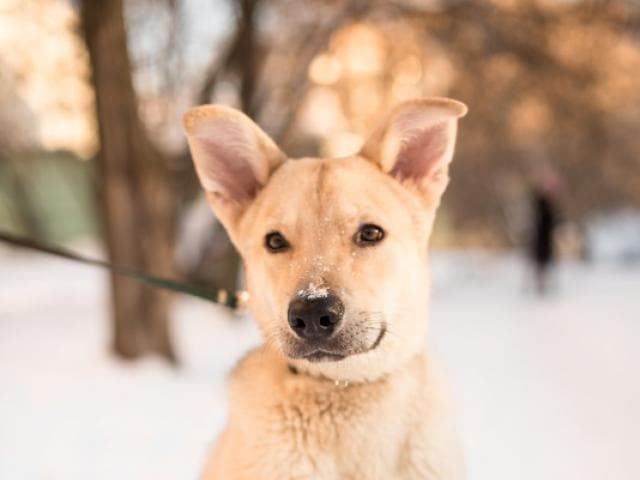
{"type": "Point", "coordinates": [323, 353]}
{"type": "Point", "coordinates": [323, 356]}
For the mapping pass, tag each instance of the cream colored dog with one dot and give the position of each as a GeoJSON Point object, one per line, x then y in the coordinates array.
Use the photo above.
{"type": "Point", "coordinates": [335, 252]}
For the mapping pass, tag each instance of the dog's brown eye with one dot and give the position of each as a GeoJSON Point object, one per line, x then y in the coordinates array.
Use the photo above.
{"type": "Point", "coordinates": [275, 242]}
{"type": "Point", "coordinates": [368, 235]}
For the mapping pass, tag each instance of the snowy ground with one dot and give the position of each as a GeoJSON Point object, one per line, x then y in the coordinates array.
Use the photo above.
{"type": "Point", "coordinates": [545, 388]}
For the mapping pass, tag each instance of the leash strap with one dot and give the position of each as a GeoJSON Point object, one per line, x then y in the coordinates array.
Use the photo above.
{"type": "Point", "coordinates": [219, 296]}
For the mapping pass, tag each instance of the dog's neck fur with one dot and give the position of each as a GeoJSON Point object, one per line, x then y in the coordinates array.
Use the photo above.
{"type": "Point", "coordinates": [345, 383]}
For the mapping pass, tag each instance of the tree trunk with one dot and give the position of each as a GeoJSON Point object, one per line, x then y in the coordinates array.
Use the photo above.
{"type": "Point", "coordinates": [135, 193]}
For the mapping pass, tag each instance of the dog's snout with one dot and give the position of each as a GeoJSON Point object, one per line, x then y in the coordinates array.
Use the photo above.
{"type": "Point", "coordinates": [315, 318]}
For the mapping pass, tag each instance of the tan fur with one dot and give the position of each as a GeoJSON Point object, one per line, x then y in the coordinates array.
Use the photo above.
{"type": "Point", "coordinates": [381, 412]}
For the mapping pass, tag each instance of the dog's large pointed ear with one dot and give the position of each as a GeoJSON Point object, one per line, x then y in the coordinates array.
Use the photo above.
{"type": "Point", "coordinates": [233, 157]}
{"type": "Point", "coordinates": [415, 144]}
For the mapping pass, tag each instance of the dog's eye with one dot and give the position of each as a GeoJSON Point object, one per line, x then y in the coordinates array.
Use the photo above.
{"type": "Point", "coordinates": [368, 235]}
{"type": "Point", "coordinates": [275, 242]}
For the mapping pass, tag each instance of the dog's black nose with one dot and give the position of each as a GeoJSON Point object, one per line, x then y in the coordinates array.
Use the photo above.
{"type": "Point", "coordinates": [315, 318]}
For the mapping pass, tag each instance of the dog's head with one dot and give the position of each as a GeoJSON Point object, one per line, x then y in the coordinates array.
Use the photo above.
{"type": "Point", "coordinates": [335, 250]}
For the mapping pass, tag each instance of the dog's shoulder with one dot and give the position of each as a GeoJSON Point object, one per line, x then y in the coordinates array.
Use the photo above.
{"type": "Point", "coordinates": [259, 373]}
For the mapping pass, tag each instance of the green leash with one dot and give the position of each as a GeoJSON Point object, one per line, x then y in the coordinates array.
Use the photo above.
{"type": "Point", "coordinates": [219, 295]}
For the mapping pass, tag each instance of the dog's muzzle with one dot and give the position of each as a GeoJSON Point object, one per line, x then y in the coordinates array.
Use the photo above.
{"type": "Point", "coordinates": [315, 319]}
{"type": "Point", "coordinates": [323, 334]}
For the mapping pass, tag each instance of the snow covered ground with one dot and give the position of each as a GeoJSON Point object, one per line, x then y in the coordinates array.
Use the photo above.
{"type": "Point", "coordinates": [545, 388]}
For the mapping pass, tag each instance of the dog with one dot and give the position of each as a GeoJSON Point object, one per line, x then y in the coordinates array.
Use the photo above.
{"type": "Point", "coordinates": [336, 262]}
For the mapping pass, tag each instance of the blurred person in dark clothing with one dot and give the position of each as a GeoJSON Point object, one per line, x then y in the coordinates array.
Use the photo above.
{"type": "Point", "coordinates": [545, 220]}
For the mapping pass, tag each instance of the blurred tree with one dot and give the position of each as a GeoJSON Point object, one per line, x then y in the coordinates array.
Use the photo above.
{"type": "Point", "coordinates": [264, 73]}
{"type": "Point", "coordinates": [546, 81]}
{"type": "Point", "coordinates": [242, 59]}
{"type": "Point", "coordinates": [135, 193]}
{"type": "Point", "coordinates": [34, 117]}
{"type": "Point", "coordinates": [17, 140]}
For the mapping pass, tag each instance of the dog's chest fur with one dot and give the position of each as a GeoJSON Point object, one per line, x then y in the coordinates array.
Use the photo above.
{"type": "Point", "coordinates": [292, 426]}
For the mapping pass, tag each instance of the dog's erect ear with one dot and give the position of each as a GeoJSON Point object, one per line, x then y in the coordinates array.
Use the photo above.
{"type": "Point", "coordinates": [415, 144]}
{"type": "Point", "coordinates": [233, 157]}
